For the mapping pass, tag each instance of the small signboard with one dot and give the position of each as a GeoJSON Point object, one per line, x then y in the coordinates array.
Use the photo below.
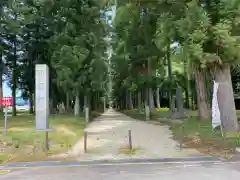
{"type": "Point", "coordinates": [6, 102]}
{"type": "Point", "coordinates": [41, 96]}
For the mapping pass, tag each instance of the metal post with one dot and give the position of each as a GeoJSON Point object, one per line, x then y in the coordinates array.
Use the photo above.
{"type": "Point", "coordinates": [181, 138]}
{"type": "Point", "coordinates": [147, 112]}
{"type": "Point", "coordinates": [130, 139]}
{"type": "Point", "coordinates": [86, 115]}
{"type": "Point", "coordinates": [5, 120]}
{"type": "Point", "coordinates": [46, 141]}
{"type": "Point", "coordinates": [85, 141]}
{"type": "Point", "coordinates": [104, 104]}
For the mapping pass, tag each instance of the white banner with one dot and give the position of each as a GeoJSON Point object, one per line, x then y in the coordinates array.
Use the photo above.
{"type": "Point", "coordinates": [216, 117]}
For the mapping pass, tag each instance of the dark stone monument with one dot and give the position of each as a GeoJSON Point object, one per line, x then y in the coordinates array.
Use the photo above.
{"type": "Point", "coordinates": [179, 113]}
{"type": "Point", "coordinates": [179, 100]}
{"type": "Point", "coordinates": [147, 112]}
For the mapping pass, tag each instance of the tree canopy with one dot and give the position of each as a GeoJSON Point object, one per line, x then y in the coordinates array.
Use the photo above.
{"type": "Point", "coordinates": [151, 49]}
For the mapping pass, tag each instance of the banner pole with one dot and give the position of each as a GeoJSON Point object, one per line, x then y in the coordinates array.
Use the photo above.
{"type": "Point", "coordinates": [5, 120]}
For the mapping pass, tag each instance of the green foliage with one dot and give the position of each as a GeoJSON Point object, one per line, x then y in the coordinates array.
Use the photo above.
{"type": "Point", "coordinates": [72, 37]}
{"type": "Point", "coordinates": [134, 47]}
{"type": "Point", "coordinates": [78, 48]}
{"type": "Point", "coordinates": [67, 35]}
{"type": "Point", "coordinates": [202, 27]}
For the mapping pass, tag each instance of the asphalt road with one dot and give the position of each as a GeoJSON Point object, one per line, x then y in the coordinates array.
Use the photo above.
{"type": "Point", "coordinates": [133, 171]}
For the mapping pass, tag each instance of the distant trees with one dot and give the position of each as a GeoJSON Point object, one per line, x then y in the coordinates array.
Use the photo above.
{"type": "Point", "coordinates": [208, 44]}
{"type": "Point", "coordinates": [68, 36]}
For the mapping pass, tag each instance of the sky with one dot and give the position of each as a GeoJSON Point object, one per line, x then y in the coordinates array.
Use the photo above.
{"type": "Point", "coordinates": [7, 90]}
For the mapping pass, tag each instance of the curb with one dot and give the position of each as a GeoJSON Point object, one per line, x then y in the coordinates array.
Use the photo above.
{"type": "Point", "coordinates": [198, 159]}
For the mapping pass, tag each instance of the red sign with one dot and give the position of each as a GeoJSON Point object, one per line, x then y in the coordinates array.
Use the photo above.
{"type": "Point", "coordinates": [6, 101]}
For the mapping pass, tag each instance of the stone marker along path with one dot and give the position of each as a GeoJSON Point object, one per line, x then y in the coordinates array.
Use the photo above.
{"type": "Point", "coordinates": [109, 133]}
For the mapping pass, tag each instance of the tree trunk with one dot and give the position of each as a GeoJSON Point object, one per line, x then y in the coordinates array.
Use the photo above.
{"type": "Point", "coordinates": [187, 83]}
{"type": "Point", "coordinates": [193, 95]}
{"type": "Point", "coordinates": [130, 100]}
{"type": "Point", "coordinates": [146, 97]}
{"type": "Point", "coordinates": [146, 104]}
{"type": "Point", "coordinates": [203, 110]}
{"type": "Point", "coordinates": [121, 104]}
{"type": "Point", "coordinates": [51, 106]}
{"type": "Point", "coordinates": [169, 64]}
{"type": "Point", "coordinates": [151, 101]}
{"type": "Point", "coordinates": [187, 91]}
{"type": "Point", "coordinates": [77, 105]}
{"type": "Point", "coordinates": [94, 101]}
{"type": "Point", "coordinates": [134, 99]}
{"type": "Point", "coordinates": [88, 107]}
{"type": "Point", "coordinates": [14, 79]}
{"type": "Point", "coordinates": [193, 100]}
{"type": "Point", "coordinates": [31, 110]}
{"type": "Point", "coordinates": [104, 103]}
{"type": "Point", "coordinates": [98, 102]}
{"type": "Point", "coordinates": [139, 101]}
{"type": "Point", "coordinates": [85, 102]}
{"type": "Point", "coordinates": [1, 79]}
{"type": "Point", "coordinates": [126, 101]}
{"type": "Point", "coordinates": [67, 102]}
{"type": "Point", "coordinates": [226, 100]}
{"type": "Point", "coordinates": [158, 98]}
{"type": "Point", "coordinates": [89, 97]}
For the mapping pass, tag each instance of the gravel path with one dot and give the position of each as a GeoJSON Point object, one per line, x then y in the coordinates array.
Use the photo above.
{"type": "Point", "coordinates": [109, 133]}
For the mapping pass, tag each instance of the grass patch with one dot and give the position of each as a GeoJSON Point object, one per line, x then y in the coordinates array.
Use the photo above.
{"type": "Point", "coordinates": [24, 141]}
{"type": "Point", "coordinates": [199, 135]}
{"type": "Point", "coordinates": [153, 116]}
{"type": "Point", "coordinates": [3, 172]}
{"type": "Point", "coordinates": [128, 151]}
{"type": "Point", "coordinates": [196, 134]}
{"type": "Point", "coordinates": [134, 114]}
